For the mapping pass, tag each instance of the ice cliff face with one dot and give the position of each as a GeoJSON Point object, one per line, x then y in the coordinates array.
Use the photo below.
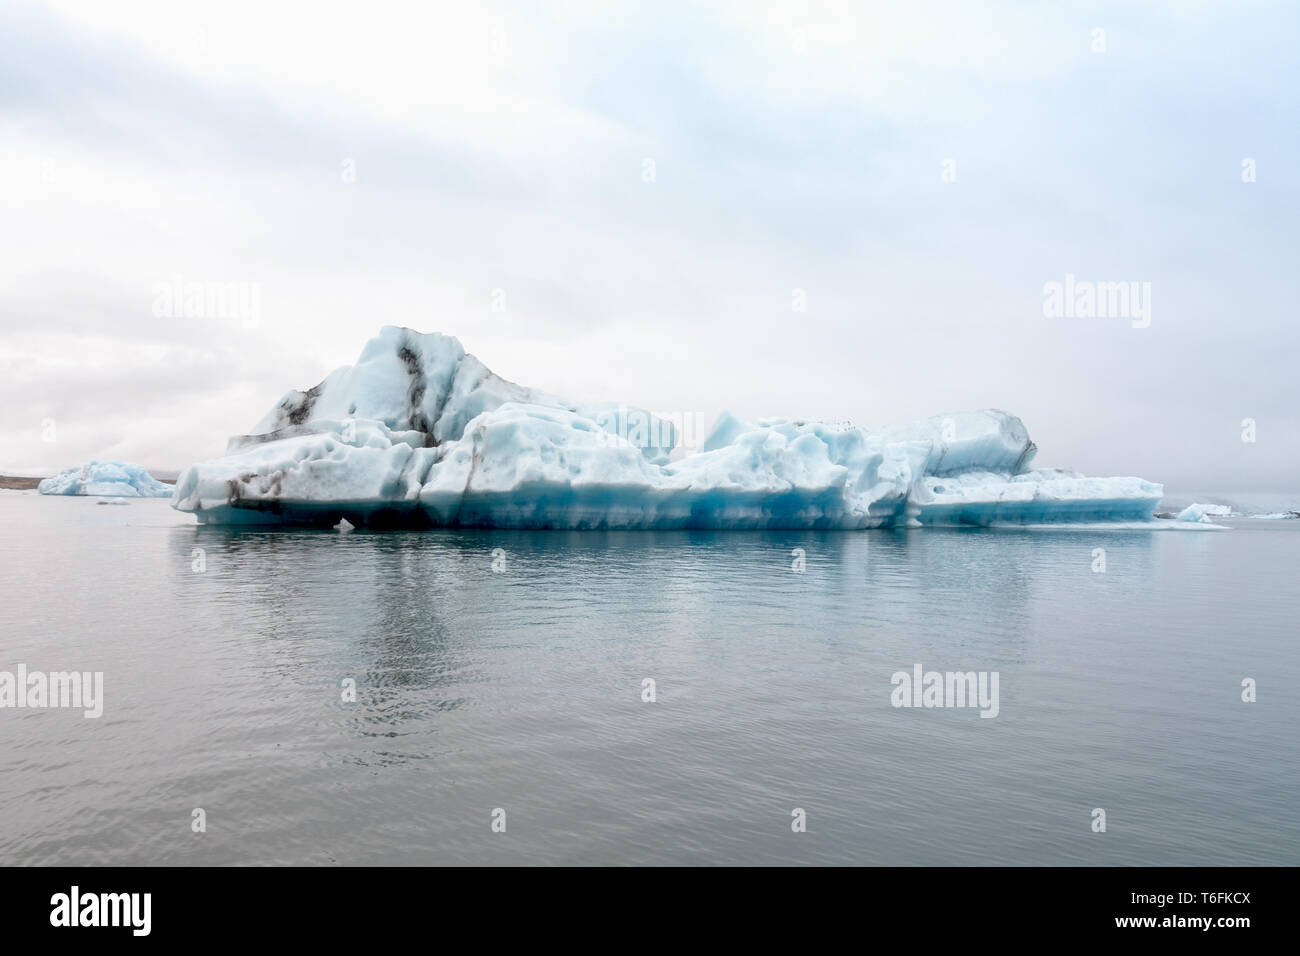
{"type": "Point", "coordinates": [418, 432]}
{"type": "Point", "coordinates": [108, 479]}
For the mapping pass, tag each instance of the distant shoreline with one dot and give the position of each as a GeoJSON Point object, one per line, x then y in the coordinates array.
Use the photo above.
{"type": "Point", "coordinates": [19, 483]}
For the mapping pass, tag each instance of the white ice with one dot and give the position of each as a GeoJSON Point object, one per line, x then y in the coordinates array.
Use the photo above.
{"type": "Point", "coordinates": [420, 432]}
{"type": "Point", "coordinates": [1204, 513]}
{"type": "Point", "coordinates": [109, 479]}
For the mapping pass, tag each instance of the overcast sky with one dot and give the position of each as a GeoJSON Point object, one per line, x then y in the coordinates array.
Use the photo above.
{"type": "Point", "coordinates": [641, 189]}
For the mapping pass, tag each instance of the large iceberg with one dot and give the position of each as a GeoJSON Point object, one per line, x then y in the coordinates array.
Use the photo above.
{"type": "Point", "coordinates": [109, 479]}
{"type": "Point", "coordinates": [418, 432]}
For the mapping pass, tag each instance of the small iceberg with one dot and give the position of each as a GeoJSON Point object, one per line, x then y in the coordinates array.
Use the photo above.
{"type": "Point", "coordinates": [106, 479]}
{"type": "Point", "coordinates": [420, 433]}
{"type": "Point", "coordinates": [1204, 513]}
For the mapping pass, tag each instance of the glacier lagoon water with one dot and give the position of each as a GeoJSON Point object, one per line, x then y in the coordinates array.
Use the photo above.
{"type": "Point", "coordinates": [521, 689]}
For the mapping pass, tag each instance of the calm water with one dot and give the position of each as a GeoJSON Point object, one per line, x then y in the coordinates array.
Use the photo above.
{"type": "Point", "coordinates": [521, 689]}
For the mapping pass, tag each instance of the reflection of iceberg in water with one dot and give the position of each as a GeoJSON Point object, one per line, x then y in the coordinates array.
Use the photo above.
{"type": "Point", "coordinates": [421, 433]}
{"type": "Point", "coordinates": [522, 687]}
{"type": "Point", "coordinates": [377, 610]}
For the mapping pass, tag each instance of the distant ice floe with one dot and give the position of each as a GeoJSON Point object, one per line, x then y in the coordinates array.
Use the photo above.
{"type": "Point", "coordinates": [1204, 513]}
{"type": "Point", "coordinates": [418, 432]}
{"type": "Point", "coordinates": [108, 479]}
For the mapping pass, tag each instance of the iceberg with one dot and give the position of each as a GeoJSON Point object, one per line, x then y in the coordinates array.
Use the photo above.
{"type": "Point", "coordinates": [420, 433]}
{"type": "Point", "coordinates": [109, 479]}
{"type": "Point", "coordinates": [1204, 513]}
